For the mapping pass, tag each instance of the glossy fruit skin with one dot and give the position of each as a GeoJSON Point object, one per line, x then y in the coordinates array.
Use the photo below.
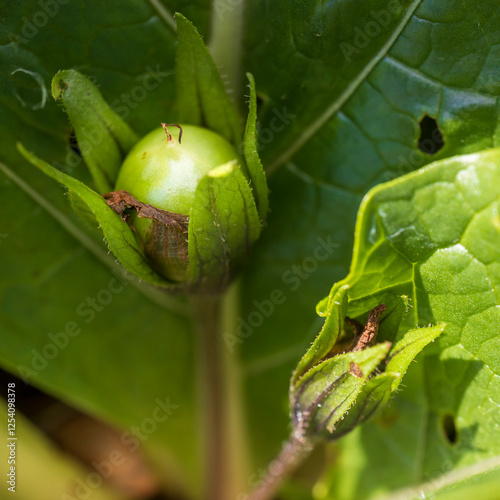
{"type": "Point", "coordinates": [165, 174]}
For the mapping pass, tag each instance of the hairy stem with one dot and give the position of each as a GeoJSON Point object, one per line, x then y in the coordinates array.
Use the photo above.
{"type": "Point", "coordinates": [294, 452]}
{"type": "Point", "coordinates": [237, 430]}
{"type": "Point", "coordinates": [222, 416]}
{"type": "Point", "coordinates": [208, 315]}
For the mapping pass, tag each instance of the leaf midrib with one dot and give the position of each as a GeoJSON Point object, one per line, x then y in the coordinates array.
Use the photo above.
{"type": "Point", "coordinates": [337, 104]}
{"type": "Point", "coordinates": [455, 476]}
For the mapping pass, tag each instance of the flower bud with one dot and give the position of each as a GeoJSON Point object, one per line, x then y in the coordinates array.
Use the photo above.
{"type": "Point", "coordinates": [156, 191]}
{"type": "Point", "coordinates": [342, 380]}
{"type": "Point", "coordinates": [186, 207]}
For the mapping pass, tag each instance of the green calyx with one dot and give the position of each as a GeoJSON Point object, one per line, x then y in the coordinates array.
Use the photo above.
{"type": "Point", "coordinates": [156, 190]}
{"type": "Point", "coordinates": [184, 211]}
{"type": "Point", "coordinates": [347, 376]}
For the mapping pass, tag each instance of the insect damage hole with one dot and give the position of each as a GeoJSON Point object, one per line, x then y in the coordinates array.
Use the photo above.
{"type": "Point", "coordinates": [431, 139]}
{"type": "Point", "coordinates": [449, 428]}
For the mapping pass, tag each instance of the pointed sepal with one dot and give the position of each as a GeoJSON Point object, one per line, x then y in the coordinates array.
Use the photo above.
{"type": "Point", "coordinates": [103, 137]}
{"type": "Point", "coordinates": [252, 159]}
{"type": "Point", "coordinates": [119, 237]}
{"type": "Point", "coordinates": [223, 225]}
{"type": "Point", "coordinates": [202, 98]}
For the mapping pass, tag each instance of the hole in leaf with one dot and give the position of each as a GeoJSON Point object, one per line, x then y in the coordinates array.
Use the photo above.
{"type": "Point", "coordinates": [450, 430]}
{"type": "Point", "coordinates": [431, 139]}
{"type": "Point", "coordinates": [73, 143]}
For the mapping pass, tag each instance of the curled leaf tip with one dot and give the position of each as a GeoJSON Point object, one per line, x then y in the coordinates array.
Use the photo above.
{"type": "Point", "coordinates": [60, 83]}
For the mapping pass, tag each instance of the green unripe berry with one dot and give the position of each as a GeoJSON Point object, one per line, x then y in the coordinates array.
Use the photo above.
{"type": "Point", "coordinates": [163, 170]}
{"type": "Point", "coordinates": [165, 174]}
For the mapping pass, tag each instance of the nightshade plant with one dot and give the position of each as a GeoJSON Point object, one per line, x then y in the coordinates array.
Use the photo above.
{"type": "Point", "coordinates": [212, 298]}
{"type": "Point", "coordinates": [190, 203]}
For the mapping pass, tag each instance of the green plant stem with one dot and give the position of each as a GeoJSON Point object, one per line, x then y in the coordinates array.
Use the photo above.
{"type": "Point", "coordinates": [294, 452]}
{"type": "Point", "coordinates": [237, 430]}
{"type": "Point", "coordinates": [224, 455]}
{"type": "Point", "coordinates": [208, 315]}
{"type": "Point", "coordinates": [228, 24]}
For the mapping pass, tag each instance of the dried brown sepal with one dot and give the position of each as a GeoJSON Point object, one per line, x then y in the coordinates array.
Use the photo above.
{"type": "Point", "coordinates": [121, 201]}
{"type": "Point", "coordinates": [364, 335]}
{"type": "Point", "coordinates": [166, 243]}
{"type": "Point", "coordinates": [369, 334]}
{"type": "Point", "coordinates": [355, 370]}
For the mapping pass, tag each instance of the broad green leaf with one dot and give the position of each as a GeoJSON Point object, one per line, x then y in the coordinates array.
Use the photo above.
{"type": "Point", "coordinates": [252, 159]}
{"type": "Point", "coordinates": [46, 272]}
{"type": "Point", "coordinates": [369, 135]}
{"type": "Point", "coordinates": [322, 63]}
{"type": "Point", "coordinates": [443, 62]}
{"type": "Point", "coordinates": [120, 238]}
{"type": "Point", "coordinates": [223, 225]}
{"type": "Point", "coordinates": [435, 234]}
{"type": "Point", "coordinates": [202, 98]}
{"type": "Point", "coordinates": [103, 137]}
{"type": "Point", "coordinates": [319, 80]}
